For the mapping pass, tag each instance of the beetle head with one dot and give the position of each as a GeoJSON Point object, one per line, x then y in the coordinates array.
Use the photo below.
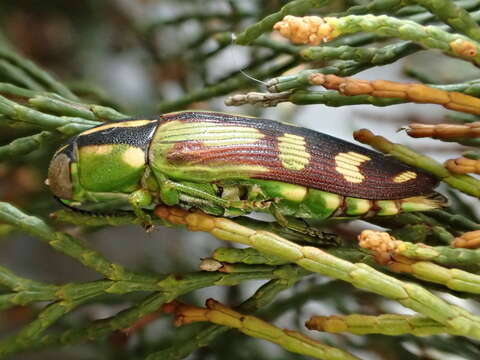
{"type": "Point", "coordinates": [59, 173]}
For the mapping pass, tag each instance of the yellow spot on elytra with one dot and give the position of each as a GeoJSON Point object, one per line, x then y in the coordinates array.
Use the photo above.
{"type": "Point", "coordinates": [351, 175]}
{"type": "Point", "coordinates": [357, 156]}
{"type": "Point", "coordinates": [348, 164]}
{"type": "Point", "coordinates": [292, 152]}
{"type": "Point", "coordinates": [350, 168]}
{"type": "Point", "coordinates": [210, 134]}
{"type": "Point", "coordinates": [96, 149]}
{"type": "Point", "coordinates": [129, 123]}
{"type": "Point", "coordinates": [133, 156]}
{"type": "Point", "coordinates": [405, 176]}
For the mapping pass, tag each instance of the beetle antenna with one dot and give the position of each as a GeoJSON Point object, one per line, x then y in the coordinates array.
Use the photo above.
{"type": "Point", "coordinates": [233, 38]}
{"type": "Point", "coordinates": [88, 212]}
{"type": "Point", "coordinates": [77, 210]}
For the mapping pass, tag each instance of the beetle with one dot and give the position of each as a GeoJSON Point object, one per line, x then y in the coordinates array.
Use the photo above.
{"type": "Point", "coordinates": [230, 165]}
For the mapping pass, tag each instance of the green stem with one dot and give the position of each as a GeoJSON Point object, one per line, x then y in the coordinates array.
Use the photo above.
{"type": "Point", "coordinates": [252, 256]}
{"type": "Point", "coordinates": [454, 279]}
{"type": "Point", "coordinates": [18, 76]}
{"type": "Point", "coordinates": [33, 330]}
{"type": "Point", "coordinates": [444, 255]}
{"type": "Point", "coordinates": [25, 145]}
{"type": "Point", "coordinates": [387, 324]}
{"type": "Point", "coordinates": [51, 111]}
{"type": "Point", "coordinates": [313, 259]}
{"type": "Point", "coordinates": [374, 56]}
{"type": "Point", "coordinates": [454, 15]}
{"type": "Point", "coordinates": [474, 155]}
{"type": "Point", "coordinates": [249, 256]}
{"type": "Point", "coordinates": [374, 7]}
{"type": "Point", "coordinates": [304, 97]}
{"type": "Point", "coordinates": [335, 99]}
{"type": "Point", "coordinates": [187, 341]}
{"type": "Point", "coordinates": [65, 124]}
{"type": "Point", "coordinates": [36, 73]}
{"type": "Point", "coordinates": [457, 221]}
{"type": "Point", "coordinates": [430, 37]}
{"type": "Point", "coordinates": [462, 118]}
{"type": "Point", "coordinates": [67, 244]}
{"type": "Point", "coordinates": [290, 340]}
{"type": "Point", "coordinates": [170, 288]}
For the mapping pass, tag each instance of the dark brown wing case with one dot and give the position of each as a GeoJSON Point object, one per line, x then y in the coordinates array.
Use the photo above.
{"type": "Point", "coordinates": [305, 157]}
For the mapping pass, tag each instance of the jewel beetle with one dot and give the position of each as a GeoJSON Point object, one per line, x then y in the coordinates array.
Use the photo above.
{"type": "Point", "coordinates": [231, 165]}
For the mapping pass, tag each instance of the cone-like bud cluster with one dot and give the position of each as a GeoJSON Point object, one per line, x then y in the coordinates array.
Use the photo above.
{"type": "Point", "coordinates": [312, 30]}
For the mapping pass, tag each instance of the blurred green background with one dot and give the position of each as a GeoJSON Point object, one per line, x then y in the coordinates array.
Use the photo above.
{"type": "Point", "coordinates": [137, 56]}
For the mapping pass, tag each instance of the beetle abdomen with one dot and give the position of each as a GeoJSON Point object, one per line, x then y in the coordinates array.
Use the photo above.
{"type": "Point", "coordinates": [207, 147]}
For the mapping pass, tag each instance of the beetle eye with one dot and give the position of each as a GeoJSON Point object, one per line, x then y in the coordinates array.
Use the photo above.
{"type": "Point", "coordinates": [59, 178]}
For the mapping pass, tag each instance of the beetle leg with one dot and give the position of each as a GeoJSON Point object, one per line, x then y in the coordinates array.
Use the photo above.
{"type": "Point", "coordinates": [196, 192]}
{"type": "Point", "coordinates": [176, 193]}
{"type": "Point", "coordinates": [171, 192]}
{"type": "Point", "coordinates": [299, 225]}
{"type": "Point", "coordinates": [138, 200]}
